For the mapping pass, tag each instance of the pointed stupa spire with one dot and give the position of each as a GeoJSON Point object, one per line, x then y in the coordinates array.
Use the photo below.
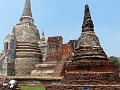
{"type": "Point", "coordinates": [88, 37]}
{"type": "Point", "coordinates": [27, 13]}
{"type": "Point", "coordinates": [43, 36]}
{"type": "Point", "coordinates": [88, 46]}
{"type": "Point", "coordinates": [87, 23]}
{"type": "Point", "coordinates": [27, 9]}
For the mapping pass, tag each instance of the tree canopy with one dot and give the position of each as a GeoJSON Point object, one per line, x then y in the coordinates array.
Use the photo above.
{"type": "Point", "coordinates": [115, 60]}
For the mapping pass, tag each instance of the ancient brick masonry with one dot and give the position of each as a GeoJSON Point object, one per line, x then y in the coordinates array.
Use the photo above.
{"type": "Point", "coordinates": [54, 62]}
{"type": "Point", "coordinates": [89, 67]}
{"type": "Point", "coordinates": [25, 51]}
{"type": "Point", "coordinates": [73, 44]}
{"type": "Point", "coordinates": [28, 51]}
{"type": "Point", "coordinates": [22, 52]}
{"type": "Point", "coordinates": [54, 45]}
{"type": "Point", "coordinates": [43, 45]}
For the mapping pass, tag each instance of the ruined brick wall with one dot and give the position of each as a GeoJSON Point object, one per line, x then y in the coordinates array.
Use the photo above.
{"type": "Point", "coordinates": [54, 44]}
{"type": "Point", "coordinates": [57, 55]}
{"type": "Point", "coordinates": [66, 51]}
{"type": "Point", "coordinates": [73, 44]}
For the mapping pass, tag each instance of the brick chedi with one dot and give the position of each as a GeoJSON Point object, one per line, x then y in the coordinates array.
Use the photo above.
{"type": "Point", "coordinates": [25, 52]}
{"type": "Point", "coordinates": [88, 43]}
{"type": "Point", "coordinates": [43, 45]}
{"type": "Point", "coordinates": [7, 64]}
{"type": "Point", "coordinates": [89, 50]}
{"type": "Point", "coordinates": [89, 68]}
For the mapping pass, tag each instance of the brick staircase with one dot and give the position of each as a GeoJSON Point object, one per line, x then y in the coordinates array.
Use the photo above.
{"type": "Point", "coordinates": [59, 68]}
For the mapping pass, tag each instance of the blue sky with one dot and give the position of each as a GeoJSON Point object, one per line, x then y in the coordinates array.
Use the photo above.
{"type": "Point", "coordinates": [65, 17]}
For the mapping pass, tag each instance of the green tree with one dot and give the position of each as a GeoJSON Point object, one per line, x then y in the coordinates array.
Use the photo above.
{"type": "Point", "coordinates": [115, 60]}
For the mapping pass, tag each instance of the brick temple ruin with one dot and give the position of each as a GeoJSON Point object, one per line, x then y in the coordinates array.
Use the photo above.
{"type": "Point", "coordinates": [27, 53]}
{"type": "Point", "coordinates": [89, 68]}
{"type": "Point", "coordinates": [78, 65]}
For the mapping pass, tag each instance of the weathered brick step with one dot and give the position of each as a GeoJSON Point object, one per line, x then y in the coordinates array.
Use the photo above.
{"type": "Point", "coordinates": [21, 46]}
{"type": "Point", "coordinates": [59, 68]}
{"type": "Point", "coordinates": [26, 53]}
{"type": "Point", "coordinates": [24, 44]}
{"type": "Point", "coordinates": [89, 82]}
{"type": "Point", "coordinates": [29, 50]}
{"type": "Point", "coordinates": [91, 76]}
{"type": "Point", "coordinates": [82, 82]}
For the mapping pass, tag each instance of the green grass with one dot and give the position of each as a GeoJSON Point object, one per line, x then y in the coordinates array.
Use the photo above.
{"type": "Point", "coordinates": [31, 88]}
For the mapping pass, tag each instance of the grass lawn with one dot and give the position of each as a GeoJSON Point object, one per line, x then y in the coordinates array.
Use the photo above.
{"type": "Point", "coordinates": [31, 88]}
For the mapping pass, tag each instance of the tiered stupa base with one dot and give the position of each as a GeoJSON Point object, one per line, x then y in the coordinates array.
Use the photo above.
{"type": "Point", "coordinates": [94, 75]}
{"type": "Point", "coordinates": [27, 55]}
